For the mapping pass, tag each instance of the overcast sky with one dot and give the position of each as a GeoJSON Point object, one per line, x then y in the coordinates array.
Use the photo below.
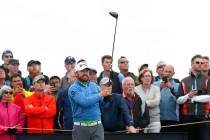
{"type": "Point", "coordinates": [148, 31]}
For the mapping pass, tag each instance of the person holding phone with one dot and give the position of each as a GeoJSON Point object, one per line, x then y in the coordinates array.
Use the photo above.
{"type": "Point", "coordinates": [193, 97]}
{"type": "Point", "coordinates": [19, 93]}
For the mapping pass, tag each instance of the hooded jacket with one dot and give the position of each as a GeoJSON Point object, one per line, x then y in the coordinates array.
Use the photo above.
{"type": "Point", "coordinates": [11, 115]}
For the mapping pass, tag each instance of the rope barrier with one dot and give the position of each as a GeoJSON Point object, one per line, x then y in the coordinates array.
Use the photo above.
{"type": "Point", "coordinates": [140, 129]}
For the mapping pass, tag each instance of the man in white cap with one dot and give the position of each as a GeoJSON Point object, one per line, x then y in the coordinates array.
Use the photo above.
{"type": "Point", "coordinates": [85, 96]}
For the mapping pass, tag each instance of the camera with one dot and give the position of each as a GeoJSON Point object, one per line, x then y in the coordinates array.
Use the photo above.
{"type": "Point", "coordinates": [165, 79]}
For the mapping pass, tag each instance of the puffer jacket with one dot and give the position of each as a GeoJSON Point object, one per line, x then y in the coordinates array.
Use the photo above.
{"type": "Point", "coordinates": [41, 115]}
{"type": "Point", "coordinates": [11, 115]}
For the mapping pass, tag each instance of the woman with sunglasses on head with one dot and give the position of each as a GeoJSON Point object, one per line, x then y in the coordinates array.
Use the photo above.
{"type": "Point", "coordinates": [150, 95]}
{"type": "Point", "coordinates": [11, 116]}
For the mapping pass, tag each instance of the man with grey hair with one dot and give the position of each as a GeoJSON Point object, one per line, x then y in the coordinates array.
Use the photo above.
{"type": "Point", "coordinates": [138, 109]}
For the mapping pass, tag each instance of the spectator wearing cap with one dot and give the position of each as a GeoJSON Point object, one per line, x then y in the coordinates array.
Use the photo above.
{"type": "Point", "coordinates": [70, 63]}
{"type": "Point", "coordinates": [123, 65]}
{"type": "Point", "coordinates": [93, 75]}
{"type": "Point", "coordinates": [159, 69]}
{"type": "Point", "coordinates": [114, 111]}
{"type": "Point", "coordinates": [34, 69]}
{"type": "Point", "coordinates": [11, 116]}
{"type": "Point", "coordinates": [40, 108]}
{"type": "Point", "coordinates": [137, 109]}
{"type": "Point", "coordinates": [13, 68]}
{"type": "Point", "coordinates": [6, 56]}
{"type": "Point", "coordinates": [84, 96]}
{"type": "Point", "coordinates": [106, 61]}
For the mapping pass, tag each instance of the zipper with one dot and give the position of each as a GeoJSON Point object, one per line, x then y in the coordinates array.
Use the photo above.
{"type": "Point", "coordinates": [196, 104]}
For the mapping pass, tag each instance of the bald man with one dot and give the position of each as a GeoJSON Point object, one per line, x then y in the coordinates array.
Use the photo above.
{"type": "Point", "coordinates": [168, 105]}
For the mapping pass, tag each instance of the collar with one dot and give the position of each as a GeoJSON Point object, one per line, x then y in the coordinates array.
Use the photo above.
{"type": "Point", "coordinates": [83, 84]}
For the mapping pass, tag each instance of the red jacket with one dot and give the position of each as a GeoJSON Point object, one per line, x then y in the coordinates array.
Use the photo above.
{"type": "Point", "coordinates": [40, 110]}
{"type": "Point", "coordinates": [11, 115]}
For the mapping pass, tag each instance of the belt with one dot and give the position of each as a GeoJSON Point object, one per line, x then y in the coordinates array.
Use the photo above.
{"type": "Point", "coordinates": [87, 123]}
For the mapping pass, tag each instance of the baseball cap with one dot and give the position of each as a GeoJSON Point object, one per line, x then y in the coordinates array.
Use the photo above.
{"type": "Point", "coordinates": [14, 61]}
{"type": "Point", "coordinates": [92, 70]}
{"type": "Point", "coordinates": [69, 60]}
{"type": "Point", "coordinates": [31, 62]}
{"type": "Point", "coordinates": [81, 66]}
{"type": "Point", "coordinates": [6, 52]}
{"type": "Point", "coordinates": [39, 77]}
{"type": "Point", "coordinates": [104, 81]}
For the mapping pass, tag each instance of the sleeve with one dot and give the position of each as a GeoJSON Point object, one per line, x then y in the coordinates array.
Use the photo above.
{"type": "Point", "coordinates": [121, 77]}
{"type": "Point", "coordinates": [125, 111]}
{"type": "Point", "coordinates": [60, 108]}
{"type": "Point", "coordinates": [201, 98]}
{"type": "Point", "coordinates": [78, 97]}
{"type": "Point", "coordinates": [21, 121]}
{"type": "Point", "coordinates": [156, 99]}
{"type": "Point", "coordinates": [34, 110]}
{"type": "Point", "coordinates": [3, 130]}
{"type": "Point", "coordinates": [180, 98]}
{"type": "Point", "coordinates": [51, 111]}
{"type": "Point", "coordinates": [175, 87]}
{"type": "Point", "coordinates": [142, 114]}
{"type": "Point", "coordinates": [145, 118]}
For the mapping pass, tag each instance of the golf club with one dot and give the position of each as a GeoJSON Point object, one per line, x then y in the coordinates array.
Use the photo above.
{"type": "Point", "coordinates": [115, 15]}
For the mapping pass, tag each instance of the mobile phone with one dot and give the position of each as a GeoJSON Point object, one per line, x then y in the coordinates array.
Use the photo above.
{"type": "Point", "coordinates": [195, 91]}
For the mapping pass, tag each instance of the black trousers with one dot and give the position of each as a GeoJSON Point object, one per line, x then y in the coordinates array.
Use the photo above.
{"type": "Point", "coordinates": [196, 131]}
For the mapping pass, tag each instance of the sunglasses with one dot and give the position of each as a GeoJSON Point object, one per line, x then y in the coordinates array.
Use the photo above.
{"type": "Point", "coordinates": [197, 62]}
{"type": "Point", "coordinates": [123, 62]}
{"type": "Point", "coordinates": [8, 92]}
{"type": "Point", "coordinates": [8, 56]}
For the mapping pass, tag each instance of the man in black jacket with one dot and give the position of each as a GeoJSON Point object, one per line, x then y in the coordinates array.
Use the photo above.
{"type": "Point", "coordinates": [108, 72]}
{"type": "Point", "coordinates": [115, 115]}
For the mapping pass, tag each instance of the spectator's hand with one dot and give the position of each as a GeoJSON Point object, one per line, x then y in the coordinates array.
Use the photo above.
{"type": "Point", "coordinates": [106, 92]}
{"type": "Point", "coordinates": [192, 93]}
{"type": "Point", "coordinates": [131, 129]}
{"type": "Point", "coordinates": [30, 106]}
{"type": "Point", "coordinates": [162, 85]}
{"type": "Point", "coordinates": [12, 130]}
{"type": "Point", "coordinates": [46, 108]}
{"type": "Point", "coordinates": [169, 85]}
{"type": "Point", "coordinates": [51, 90]}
